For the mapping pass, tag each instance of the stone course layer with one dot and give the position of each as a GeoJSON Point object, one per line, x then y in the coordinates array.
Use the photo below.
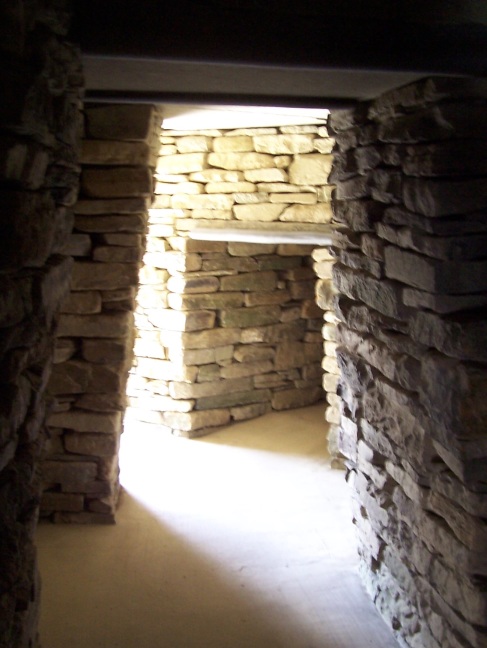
{"type": "Point", "coordinates": [40, 121]}
{"type": "Point", "coordinates": [227, 331]}
{"type": "Point", "coordinates": [95, 336]}
{"type": "Point", "coordinates": [411, 276]}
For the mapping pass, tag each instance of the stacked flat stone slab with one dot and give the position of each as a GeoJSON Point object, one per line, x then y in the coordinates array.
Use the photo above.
{"type": "Point", "coordinates": [94, 348]}
{"type": "Point", "coordinates": [227, 331]}
{"type": "Point", "coordinates": [411, 204]}
{"type": "Point", "coordinates": [41, 119]}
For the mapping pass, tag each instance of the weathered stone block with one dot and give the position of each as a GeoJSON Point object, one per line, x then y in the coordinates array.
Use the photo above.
{"type": "Point", "coordinates": [81, 421]}
{"type": "Point", "coordinates": [188, 284]}
{"type": "Point", "coordinates": [320, 213]}
{"type": "Point", "coordinates": [173, 320]}
{"type": "Point", "coordinates": [113, 325]}
{"type": "Point", "coordinates": [182, 163]}
{"type": "Point", "coordinates": [250, 316]}
{"type": "Point", "coordinates": [241, 161]}
{"type": "Point", "coordinates": [233, 399]}
{"type": "Point", "coordinates": [266, 174]}
{"type": "Point", "coordinates": [193, 144]}
{"type": "Point", "coordinates": [291, 398]}
{"type": "Point", "coordinates": [200, 339]}
{"type": "Point", "coordinates": [212, 301]}
{"type": "Point", "coordinates": [117, 182]}
{"type": "Point", "coordinates": [249, 281]}
{"type": "Point", "coordinates": [105, 152]}
{"type": "Point", "coordinates": [243, 369]}
{"type": "Point", "coordinates": [236, 143]}
{"type": "Point", "coordinates": [434, 275]}
{"type": "Point", "coordinates": [116, 223]}
{"type": "Point", "coordinates": [182, 390]}
{"type": "Point", "coordinates": [278, 144]}
{"type": "Point", "coordinates": [103, 276]}
{"type": "Point", "coordinates": [107, 351]}
{"type": "Point", "coordinates": [312, 169]}
{"type": "Point", "coordinates": [217, 201]}
{"type": "Point", "coordinates": [119, 122]}
{"type": "Point", "coordinates": [99, 445]}
{"type": "Point", "coordinates": [263, 212]}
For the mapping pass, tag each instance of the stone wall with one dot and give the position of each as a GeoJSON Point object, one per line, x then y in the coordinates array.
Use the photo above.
{"type": "Point", "coordinates": [40, 126]}
{"type": "Point", "coordinates": [226, 331]}
{"type": "Point", "coordinates": [411, 204]}
{"type": "Point", "coordinates": [96, 332]}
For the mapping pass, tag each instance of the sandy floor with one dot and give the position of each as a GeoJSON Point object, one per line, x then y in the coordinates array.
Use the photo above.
{"type": "Point", "coordinates": [239, 540]}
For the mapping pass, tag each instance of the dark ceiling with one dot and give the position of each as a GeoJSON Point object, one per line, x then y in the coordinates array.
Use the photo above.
{"type": "Point", "coordinates": [131, 48]}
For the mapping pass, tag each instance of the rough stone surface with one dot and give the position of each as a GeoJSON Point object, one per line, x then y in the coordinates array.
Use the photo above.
{"type": "Point", "coordinates": [410, 365]}
{"type": "Point", "coordinates": [255, 300]}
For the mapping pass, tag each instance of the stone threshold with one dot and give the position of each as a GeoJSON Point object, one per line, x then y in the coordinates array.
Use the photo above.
{"type": "Point", "coordinates": [266, 236]}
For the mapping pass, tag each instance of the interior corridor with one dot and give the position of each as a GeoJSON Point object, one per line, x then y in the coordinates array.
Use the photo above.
{"type": "Point", "coordinates": [240, 539]}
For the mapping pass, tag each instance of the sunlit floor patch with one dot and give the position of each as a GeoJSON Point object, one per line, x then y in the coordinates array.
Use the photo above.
{"type": "Point", "coordinates": [240, 539]}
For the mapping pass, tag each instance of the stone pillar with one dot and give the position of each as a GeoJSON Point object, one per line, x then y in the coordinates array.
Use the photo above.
{"type": "Point", "coordinates": [411, 274]}
{"type": "Point", "coordinates": [40, 122]}
{"type": "Point", "coordinates": [94, 348]}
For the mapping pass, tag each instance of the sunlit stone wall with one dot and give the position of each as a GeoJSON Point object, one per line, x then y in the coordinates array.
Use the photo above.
{"type": "Point", "coordinates": [227, 331]}
{"type": "Point", "coordinates": [94, 346]}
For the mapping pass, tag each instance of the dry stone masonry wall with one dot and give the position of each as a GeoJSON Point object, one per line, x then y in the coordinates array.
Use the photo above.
{"type": "Point", "coordinates": [94, 347]}
{"type": "Point", "coordinates": [40, 121]}
{"type": "Point", "coordinates": [411, 273]}
{"type": "Point", "coordinates": [226, 331]}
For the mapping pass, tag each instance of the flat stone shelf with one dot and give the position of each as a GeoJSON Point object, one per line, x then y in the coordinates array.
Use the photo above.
{"type": "Point", "coordinates": [266, 236]}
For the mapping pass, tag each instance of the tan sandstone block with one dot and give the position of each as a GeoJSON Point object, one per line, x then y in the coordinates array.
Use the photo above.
{"type": "Point", "coordinates": [242, 369]}
{"type": "Point", "coordinates": [263, 212]}
{"type": "Point", "coordinates": [266, 175]}
{"type": "Point", "coordinates": [313, 168]}
{"type": "Point", "coordinates": [204, 201]}
{"type": "Point", "coordinates": [324, 144]}
{"type": "Point", "coordinates": [181, 283]}
{"type": "Point", "coordinates": [250, 281]}
{"type": "Point", "coordinates": [277, 144]}
{"type": "Point", "coordinates": [173, 261]}
{"type": "Point", "coordinates": [238, 143]}
{"type": "Point", "coordinates": [193, 144]}
{"type": "Point", "coordinates": [164, 370]}
{"type": "Point", "coordinates": [173, 320]}
{"type": "Point", "coordinates": [212, 300]}
{"type": "Point", "coordinates": [181, 163]}
{"type": "Point", "coordinates": [250, 316]}
{"type": "Point", "coordinates": [291, 398]}
{"type": "Point", "coordinates": [251, 198]}
{"type": "Point", "coordinates": [170, 188]}
{"type": "Point", "coordinates": [249, 249]}
{"type": "Point", "coordinates": [216, 175]}
{"type": "Point", "coordinates": [241, 161]}
{"type": "Point", "coordinates": [320, 213]}
{"type": "Point", "coordinates": [187, 390]}
{"type": "Point", "coordinates": [302, 198]}
{"type": "Point", "coordinates": [230, 187]}
{"type": "Point", "coordinates": [200, 339]}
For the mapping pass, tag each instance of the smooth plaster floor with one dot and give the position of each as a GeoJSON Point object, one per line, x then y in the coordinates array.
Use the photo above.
{"type": "Point", "coordinates": [239, 540]}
